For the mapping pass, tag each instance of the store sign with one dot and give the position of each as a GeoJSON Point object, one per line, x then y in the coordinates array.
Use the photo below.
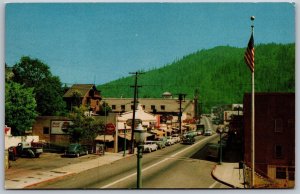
{"type": "Point", "coordinates": [137, 122]}
{"type": "Point", "coordinates": [60, 127]}
{"type": "Point", "coordinates": [110, 128]}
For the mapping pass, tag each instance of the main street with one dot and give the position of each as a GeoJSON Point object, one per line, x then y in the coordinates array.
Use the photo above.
{"type": "Point", "coordinates": [177, 166]}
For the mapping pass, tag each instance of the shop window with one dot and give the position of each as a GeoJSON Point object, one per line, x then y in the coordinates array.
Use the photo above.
{"type": "Point", "coordinates": [113, 107]}
{"type": "Point", "coordinates": [162, 107]}
{"type": "Point", "coordinates": [46, 130]}
{"type": "Point", "coordinates": [152, 107]}
{"type": "Point", "coordinates": [280, 173]}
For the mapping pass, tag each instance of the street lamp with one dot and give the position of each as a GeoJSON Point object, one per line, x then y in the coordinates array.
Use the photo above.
{"type": "Point", "coordinates": [140, 136]}
{"type": "Point", "coordinates": [124, 154]}
{"type": "Point", "coordinates": [220, 131]}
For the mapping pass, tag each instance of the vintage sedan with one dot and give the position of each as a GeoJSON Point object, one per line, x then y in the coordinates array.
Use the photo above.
{"type": "Point", "coordinates": [208, 132]}
{"type": "Point", "coordinates": [150, 146]}
{"type": "Point", "coordinates": [170, 141]}
{"type": "Point", "coordinates": [75, 149]}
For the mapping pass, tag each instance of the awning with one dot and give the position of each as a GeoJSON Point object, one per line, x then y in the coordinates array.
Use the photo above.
{"type": "Point", "coordinates": [108, 138]}
{"type": "Point", "coordinates": [128, 136]}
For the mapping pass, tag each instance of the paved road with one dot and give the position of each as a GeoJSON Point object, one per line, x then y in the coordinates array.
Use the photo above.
{"type": "Point", "coordinates": [177, 166]}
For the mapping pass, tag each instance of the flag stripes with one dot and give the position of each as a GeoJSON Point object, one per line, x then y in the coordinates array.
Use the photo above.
{"type": "Point", "coordinates": [249, 54]}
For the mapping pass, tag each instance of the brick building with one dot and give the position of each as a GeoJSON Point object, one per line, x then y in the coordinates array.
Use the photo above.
{"type": "Point", "coordinates": [274, 136]}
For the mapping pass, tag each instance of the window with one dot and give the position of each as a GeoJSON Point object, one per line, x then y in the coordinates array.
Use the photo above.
{"type": "Point", "coordinates": [291, 171]}
{"type": "Point", "coordinates": [132, 107]}
{"type": "Point", "coordinates": [123, 107]}
{"type": "Point", "coordinates": [162, 107]}
{"type": "Point", "coordinates": [46, 130]}
{"type": "Point", "coordinates": [113, 107]}
{"type": "Point", "coordinates": [278, 128]}
{"type": "Point", "coordinates": [291, 124]}
{"type": "Point", "coordinates": [280, 173]}
{"type": "Point", "coordinates": [152, 107]}
{"type": "Point", "coordinates": [278, 151]}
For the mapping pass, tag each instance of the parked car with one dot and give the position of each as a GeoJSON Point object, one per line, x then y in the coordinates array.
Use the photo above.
{"type": "Point", "coordinates": [170, 141]}
{"type": "Point", "coordinates": [188, 140]}
{"type": "Point", "coordinates": [75, 149]}
{"type": "Point", "coordinates": [199, 132]}
{"type": "Point", "coordinates": [150, 146]}
{"type": "Point", "coordinates": [176, 138]}
{"type": "Point", "coordinates": [25, 149]}
{"type": "Point", "coordinates": [161, 142]}
{"type": "Point", "coordinates": [208, 132]}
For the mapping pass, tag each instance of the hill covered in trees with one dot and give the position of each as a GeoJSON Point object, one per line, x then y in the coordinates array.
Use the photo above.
{"type": "Point", "coordinates": [219, 75]}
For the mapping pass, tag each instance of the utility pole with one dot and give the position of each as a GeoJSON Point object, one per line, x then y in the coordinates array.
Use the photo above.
{"type": "Point", "coordinates": [181, 98]}
{"type": "Point", "coordinates": [134, 108]}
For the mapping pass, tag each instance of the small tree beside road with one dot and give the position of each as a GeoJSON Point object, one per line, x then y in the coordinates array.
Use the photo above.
{"type": "Point", "coordinates": [84, 128]}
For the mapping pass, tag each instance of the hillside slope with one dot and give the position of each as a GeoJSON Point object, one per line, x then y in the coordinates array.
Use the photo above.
{"type": "Point", "coordinates": [219, 74]}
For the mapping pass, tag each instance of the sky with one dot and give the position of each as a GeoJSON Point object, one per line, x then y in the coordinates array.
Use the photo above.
{"type": "Point", "coordinates": [101, 42]}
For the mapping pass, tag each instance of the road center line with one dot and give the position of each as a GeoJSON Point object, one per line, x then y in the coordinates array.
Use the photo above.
{"type": "Point", "coordinates": [155, 164]}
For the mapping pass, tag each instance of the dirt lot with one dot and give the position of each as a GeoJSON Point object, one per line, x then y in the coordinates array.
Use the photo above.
{"type": "Point", "coordinates": [46, 162]}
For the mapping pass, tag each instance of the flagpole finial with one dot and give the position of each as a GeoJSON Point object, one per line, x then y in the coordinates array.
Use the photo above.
{"type": "Point", "coordinates": [252, 21]}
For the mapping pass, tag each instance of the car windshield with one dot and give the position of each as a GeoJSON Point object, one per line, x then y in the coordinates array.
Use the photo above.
{"type": "Point", "coordinates": [72, 147]}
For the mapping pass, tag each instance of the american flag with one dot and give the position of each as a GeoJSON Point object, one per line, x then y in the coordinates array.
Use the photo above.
{"type": "Point", "coordinates": [249, 54]}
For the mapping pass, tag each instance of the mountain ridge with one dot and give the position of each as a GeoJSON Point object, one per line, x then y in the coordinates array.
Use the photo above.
{"type": "Point", "coordinates": [219, 75]}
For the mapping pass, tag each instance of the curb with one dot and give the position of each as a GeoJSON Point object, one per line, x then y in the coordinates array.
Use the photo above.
{"type": "Point", "coordinates": [221, 181]}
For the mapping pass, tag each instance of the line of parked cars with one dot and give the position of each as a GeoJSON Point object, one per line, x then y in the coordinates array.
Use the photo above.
{"type": "Point", "coordinates": [160, 143]}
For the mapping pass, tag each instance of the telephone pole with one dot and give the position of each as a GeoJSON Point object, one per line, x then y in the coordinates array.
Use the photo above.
{"type": "Point", "coordinates": [135, 96]}
{"type": "Point", "coordinates": [181, 97]}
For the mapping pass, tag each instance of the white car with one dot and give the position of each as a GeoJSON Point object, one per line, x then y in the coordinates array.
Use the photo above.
{"type": "Point", "coordinates": [208, 132]}
{"type": "Point", "coordinates": [150, 146]}
{"type": "Point", "coordinates": [170, 141]}
{"type": "Point", "coordinates": [176, 138]}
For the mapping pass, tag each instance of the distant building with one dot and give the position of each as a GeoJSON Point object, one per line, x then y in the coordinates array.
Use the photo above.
{"type": "Point", "coordinates": [164, 106]}
{"type": "Point", "coordinates": [274, 136]}
{"type": "Point", "coordinates": [83, 94]}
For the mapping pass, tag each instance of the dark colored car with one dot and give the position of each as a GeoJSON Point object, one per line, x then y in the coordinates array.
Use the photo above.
{"type": "Point", "coordinates": [188, 140]}
{"type": "Point", "coordinates": [75, 149]}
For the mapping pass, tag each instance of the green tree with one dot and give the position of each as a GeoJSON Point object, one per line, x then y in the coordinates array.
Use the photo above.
{"type": "Point", "coordinates": [84, 128]}
{"type": "Point", "coordinates": [48, 88]}
{"type": "Point", "coordinates": [20, 107]}
{"type": "Point", "coordinates": [49, 97]}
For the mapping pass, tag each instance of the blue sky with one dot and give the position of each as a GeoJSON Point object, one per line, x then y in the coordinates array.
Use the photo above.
{"type": "Point", "coordinates": [100, 42]}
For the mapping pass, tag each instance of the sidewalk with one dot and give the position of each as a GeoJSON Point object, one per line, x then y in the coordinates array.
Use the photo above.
{"type": "Point", "coordinates": [229, 174]}
{"type": "Point", "coordinates": [26, 180]}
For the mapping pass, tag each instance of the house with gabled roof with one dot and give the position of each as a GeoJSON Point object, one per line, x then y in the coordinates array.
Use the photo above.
{"type": "Point", "coordinates": [83, 94]}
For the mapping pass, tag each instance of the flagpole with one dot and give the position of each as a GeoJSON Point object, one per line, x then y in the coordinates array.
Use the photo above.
{"type": "Point", "coordinates": [253, 117]}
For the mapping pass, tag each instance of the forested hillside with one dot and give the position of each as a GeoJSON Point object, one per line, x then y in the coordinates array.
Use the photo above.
{"type": "Point", "coordinates": [219, 74]}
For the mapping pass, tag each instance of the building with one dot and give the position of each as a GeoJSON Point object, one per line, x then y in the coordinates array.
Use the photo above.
{"type": "Point", "coordinates": [274, 136]}
{"type": "Point", "coordinates": [167, 106]}
{"type": "Point", "coordinates": [83, 94]}
{"type": "Point", "coordinates": [52, 129]}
